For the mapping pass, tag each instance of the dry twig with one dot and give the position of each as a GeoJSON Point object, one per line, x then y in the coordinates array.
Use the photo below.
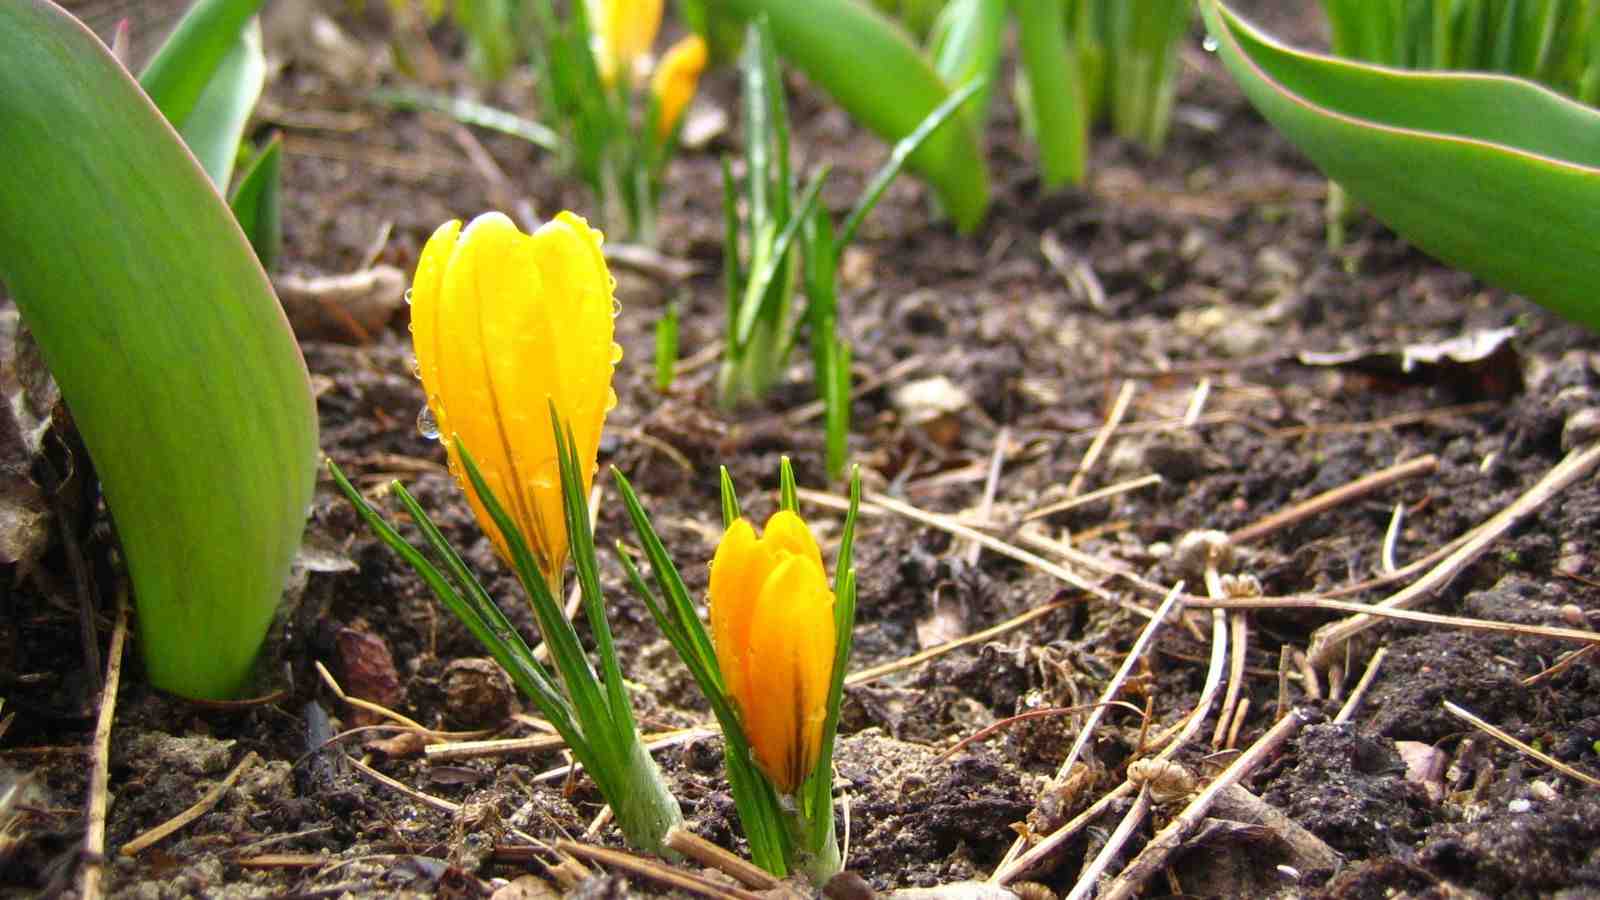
{"type": "Point", "coordinates": [1504, 737]}
{"type": "Point", "coordinates": [201, 807]}
{"type": "Point", "coordinates": [1337, 496]}
{"type": "Point", "coordinates": [94, 837]}
{"type": "Point", "coordinates": [1326, 641]}
{"type": "Point", "coordinates": [656, 870]}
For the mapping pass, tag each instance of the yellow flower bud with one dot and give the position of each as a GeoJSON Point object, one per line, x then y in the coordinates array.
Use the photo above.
{"type": "Point", "coordinates": [623, 30]}
{"type": "Point", "coordinates": [772, 625]}
{"type": "Point", "coordinates": [674, 81]}
{"type": "Point", "coordinates": [504, 324]}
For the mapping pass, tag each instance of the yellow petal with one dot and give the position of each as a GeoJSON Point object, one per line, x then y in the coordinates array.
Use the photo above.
{"type": "Point", "coordinates": [508, 323]}
{"type": "Point", "coordinates": [787, 532]}
{"type": "Point", "coordinates": [674, 81]}
{"type": "Point", "coordinates": [626, 29]}
{"type": "Point", "coordinates": [426, 303]}
{"type": "Point", "coordinates": [791, 634]}
{"type": "Point", "coordinates": [738, 570]}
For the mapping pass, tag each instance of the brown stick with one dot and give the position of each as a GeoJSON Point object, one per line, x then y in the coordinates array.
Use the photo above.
{"type": "Point", "coordinates": [708, 854]}
{"type": "Point", "coordinates": [1577, 464]}
{"type": "Point", "coordinates": [200, 808]}
{"type": "Point", "coordinates": [1331, 498]}
{"type": "Point", "coordinates": [658, 871]}
{"type": "Point", "coordinates": [94, 838]}
{"type": "Point", "coordinates": [1155, 854]}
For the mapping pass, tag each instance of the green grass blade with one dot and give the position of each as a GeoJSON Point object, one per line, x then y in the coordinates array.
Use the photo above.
{"type": "Point", "coordinates": [667, 347]}
{"type": "Point", "coordinates": [257, 202]}
{"type": "Point", "coordinates": [583, 690]}
{"type": "Point", "coordinates": [169, 346]}
{"type": "Point", "coordinates": [672, 587]}
{"type": "Point", "coordinates": [788, 493]}
{"type": "Point", "coordinates": [752, 794]}
{"type": "Point", "coordinates": [178, 74]}
{"type": "Point", "coordinates": [730, 498]}
{"type": "Point", "coordinates": [471, 112]}
{"type": "Point", "coordinates": [758, 301]}
{"type": "Point", "coordinates": [820, 784]}
{"type": "Point", "coordinates": [466, 599]}
{"type": "Point", "coordinates": [586, 562]}
{"type": "Point", "coordinates": [1060, 111]}
{"type": "Point", "coordinates": [903, 151]}
{"type": "Point", "coordinates": [1492, 174]}
{"type": "Point", "coordinates": [874, 71]}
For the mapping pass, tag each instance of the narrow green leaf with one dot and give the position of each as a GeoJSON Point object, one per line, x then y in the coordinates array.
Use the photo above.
{"type": "Point", "coordinates": [1060, 110]}
{"type": "Point", "coordinates": [583, 690]}
{"type": "Point", "coordinates": [872, 69]}
{"type": "Point", "coordinates": [820, 784]}
{"type": "Point", "coordinates": [667, 347]}
{"type": "Point", "coordinates": [169, 346]}
{"type": "Point", "coordinates": [903, 150]}
{"type": "Point", "coordinates": [788, 493]}
{"type": "Point", "coordinates": [1492, 174]}
{"type": "Point", "coordinates": [257, 202]}
{"type": "Point", "coordinates": [471, 112]}
{"type": "Point", "coordinates": [730, 498]}
{"type": "Point", "coordinates": [758, 302]}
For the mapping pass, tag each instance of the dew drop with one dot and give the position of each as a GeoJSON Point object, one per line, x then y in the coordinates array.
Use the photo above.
{"type": "Point", "coordinates": [616, 307]}
{"type": "Point", "coordinates": [616, 353]}
{"type": "Point", "coordinates": [408, 296]}
{"type": "Point", "coordinates": [427, 426]}
{"type": "Point", "coordinates": [416, 368]}
{"type": "Point", "coordinates": [1209, 44]}
{"type": "Point", "coordinates": [611, 399]}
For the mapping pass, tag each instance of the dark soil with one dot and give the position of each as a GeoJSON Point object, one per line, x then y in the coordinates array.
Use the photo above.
{"type": "Point", "coordinates": [1213, 264]}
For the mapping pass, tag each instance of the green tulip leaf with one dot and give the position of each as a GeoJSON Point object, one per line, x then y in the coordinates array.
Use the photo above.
{"type": "Point", "coordinates": [171, 350]}
{"type": "Point", "coordinates": [874, 71]}
{"type": "Point", "coordinates": [257, 202]}
{"type": "Point", "coordinates": [182, 69]}
{"type": "Point", "coordinates": [216, 125]}
{"type": "Point", "coordinates": [1493, 174]}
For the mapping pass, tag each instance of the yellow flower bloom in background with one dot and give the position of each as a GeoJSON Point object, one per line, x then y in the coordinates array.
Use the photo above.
{"type": "Point", "coordinates": [674, 81]}
{"type": "Point", "coordinates": [772, 624]}
{"type": "Point", "coordinates": [503, 324]}
{"type": "Point", "coordinates": [623, 31]}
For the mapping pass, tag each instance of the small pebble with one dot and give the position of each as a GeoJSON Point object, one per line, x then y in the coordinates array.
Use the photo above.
{"type": "Point", "coordinates": [1520, 805]}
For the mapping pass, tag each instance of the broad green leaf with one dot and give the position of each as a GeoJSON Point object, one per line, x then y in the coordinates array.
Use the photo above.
{"type": "Point", "coordinates": [170, 348]}
{"type": "Point", "coordinates": [178, 74]}
{"type": "Point", "coordinates": [874, 71]}
{"type": "Point", "coordinates": [214, 128]}
{"type": "Point", "coordinates": [257, 202]}
{"type": "Point", "coordinates": [1492, 174]}
{"type": "Point", "coordinates": [966, 44]}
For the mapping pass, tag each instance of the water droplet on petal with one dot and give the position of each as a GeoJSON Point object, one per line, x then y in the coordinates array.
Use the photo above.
{"type": "Point", "coordinates": [616, 307]}
{"type": "Point", "coordinates": [616, 353]}
{"type": "Point", "coordinates": [427, 426]}
{"type": "Point", "coordinates": [1209, 44]}
{"type": "Point", "coordinates": [408, 296]}
{"type": "Point", "coordinates": [416, 368]}
{"type": "Point", "coordinates": [611, 399]}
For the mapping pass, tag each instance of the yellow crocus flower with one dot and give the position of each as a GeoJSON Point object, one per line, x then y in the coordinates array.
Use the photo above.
{"type": "Point", "coordinates": [504, 324]}
{"type": "Point", "coordinates": [674, 81]}
{"type": "Point", "coordinates": [624, 31]}
{"type": "Point", "coordinates": [772, 625]}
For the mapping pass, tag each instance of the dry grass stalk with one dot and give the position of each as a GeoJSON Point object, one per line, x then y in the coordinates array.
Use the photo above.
{"type": "Point", "coordinates": [1501, 735]}
{"type": "Point", "coordinates": [1367, 678]}
{"type": "Point", "coordinates": [94, 837]}
{"type": "Point", "coordinates": [1155, 854]}
{"type": "Point", "coordinates": [200, 808]}
{"type": "Point", "coordinates": [656, 871]}
{"type": "Point", "coordinates": [1577, 464]}
{"type": "Point", "coordinates": [1119, 409]}
{"type": "Point", "coordinates": [1335, 497]}
{"type": "Point", "coordinates": [710, 855]}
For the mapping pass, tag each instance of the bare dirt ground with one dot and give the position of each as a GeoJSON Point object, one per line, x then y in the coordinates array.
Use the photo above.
{"type": "Point", "coordinates": [1192, 289]}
